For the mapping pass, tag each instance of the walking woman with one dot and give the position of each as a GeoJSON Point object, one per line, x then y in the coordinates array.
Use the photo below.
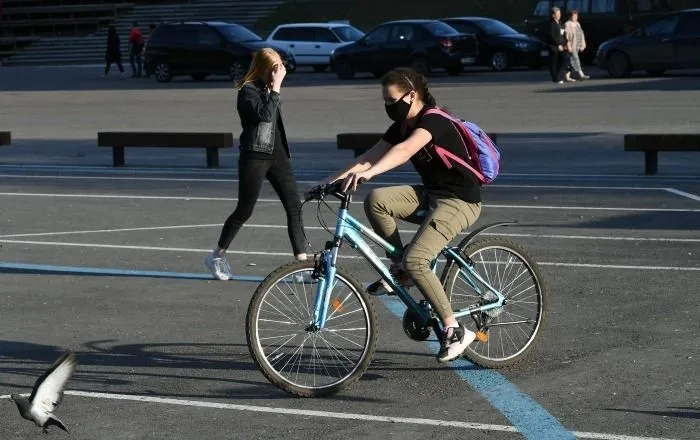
{"type": "Point", "coordinates": [264, 155]}
{"type": "Point", "coordinates": [577, 43]}
{"type": "Point", "coordinates": [113, 54]}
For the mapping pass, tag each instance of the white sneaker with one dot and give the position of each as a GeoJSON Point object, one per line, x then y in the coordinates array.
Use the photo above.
{"type": "Point", "coordinates": [453, 343]}
{"type": "Point", "coordinates": [304, 278]}
{"type": "Point", "coordinates": [219, 267]}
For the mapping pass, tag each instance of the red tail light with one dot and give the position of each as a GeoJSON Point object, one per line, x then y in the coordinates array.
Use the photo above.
{"type": "Point", "coordinates": [447, 44]}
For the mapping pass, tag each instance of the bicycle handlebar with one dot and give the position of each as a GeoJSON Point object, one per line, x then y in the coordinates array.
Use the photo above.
{"type": "Point", "coordinates": [320, 191]}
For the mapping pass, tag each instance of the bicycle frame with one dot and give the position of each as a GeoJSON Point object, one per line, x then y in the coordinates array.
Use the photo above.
{"type": "Point", "coordinates": [351, 230]}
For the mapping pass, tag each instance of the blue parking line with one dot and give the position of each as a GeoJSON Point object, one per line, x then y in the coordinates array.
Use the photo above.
{"type": "Point", "coordinates": [47, 269]}
{"type": "Point", "coordinates": [526, 415]}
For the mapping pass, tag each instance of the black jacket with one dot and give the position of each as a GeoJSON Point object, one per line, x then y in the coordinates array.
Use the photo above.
{"type": "Point", "coordinates": [113, 52]}
{"type": "Point", "coordinates": [260, 113]}
{"type": "Point", "coordinates": [555, 37]}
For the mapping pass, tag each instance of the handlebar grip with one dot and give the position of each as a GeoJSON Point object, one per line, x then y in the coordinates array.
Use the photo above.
{"type": "Point", "coordinates": [362, 180]}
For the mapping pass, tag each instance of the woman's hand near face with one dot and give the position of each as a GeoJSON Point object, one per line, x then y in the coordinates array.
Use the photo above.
{"type": "Point", "coordinates": [278, 74]}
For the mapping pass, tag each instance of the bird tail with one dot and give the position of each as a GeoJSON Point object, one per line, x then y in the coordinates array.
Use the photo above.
{"type": "Point", "coordinates": [53, 421]}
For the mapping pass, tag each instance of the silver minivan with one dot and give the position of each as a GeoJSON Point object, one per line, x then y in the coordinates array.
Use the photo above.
{"type": "Point", "coordinates": [313, 43]}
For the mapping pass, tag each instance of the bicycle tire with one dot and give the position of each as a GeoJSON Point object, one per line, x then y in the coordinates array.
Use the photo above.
{"type": "Point", "coordinates": [449, 276]}
{"type": "Point", "coordinates": [256, 350]}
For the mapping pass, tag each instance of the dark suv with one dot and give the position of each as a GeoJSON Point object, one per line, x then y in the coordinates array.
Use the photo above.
{"type": "Point", "coordinates": [200, 49]}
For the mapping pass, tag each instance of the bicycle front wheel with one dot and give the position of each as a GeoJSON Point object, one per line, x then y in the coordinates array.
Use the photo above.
{"type": "Point", "coordinates": [293, 355]}
{"type": "Point", "coordinates": [513, 328]}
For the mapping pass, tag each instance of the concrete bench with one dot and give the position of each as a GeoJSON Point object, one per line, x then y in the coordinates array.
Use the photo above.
{"type": "Point", "coordinates": [118, 140]}
{"type": "Point", "coordinates": [5, 138]}
{"type": "Point", "coordinates": [651, 144]}
{"type": "Point", "coordinates": [361, 142]}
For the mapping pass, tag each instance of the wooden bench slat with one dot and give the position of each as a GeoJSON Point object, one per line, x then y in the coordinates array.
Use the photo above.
{"type": "Point", "coordinates": [5, 138]}
{"type": "Point", "coordinates": [164, 139]}
{"type": "Point", "coordinates": [662, 142]}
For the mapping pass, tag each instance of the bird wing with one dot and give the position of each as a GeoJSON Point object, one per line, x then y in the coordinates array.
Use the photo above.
{"type": "Point", "coordinates": [48, 389]}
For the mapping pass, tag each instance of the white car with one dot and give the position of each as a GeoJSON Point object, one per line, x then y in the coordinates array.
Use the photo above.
{"type": "Point", "coordinates": [312, 43]}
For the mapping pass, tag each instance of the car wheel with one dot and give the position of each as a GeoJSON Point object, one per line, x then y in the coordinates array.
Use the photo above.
{"type": "Point", "coordinates": [344, 69]}
{"type": "Point", "coordinates": [237, 71]}
{"type": "Point", "coordinates": [656, 72]}
{"type": "Point", "coordinates": [162, 73]}
{"type": "Point", "coordinates": [420, 65]}
{"type": "Point", "coordinates": [618, 65]}
{"type": "Point", "coordinates": [199, 76]}
{"type": "Point", "coordinates": [455, 70]}
{"type": "Point", "coordinates": [500, 61]}
{"type": "Point", "coordinates": [320, 68]}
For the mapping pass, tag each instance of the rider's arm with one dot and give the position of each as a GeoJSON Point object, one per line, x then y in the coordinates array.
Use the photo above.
{"type": "Point", "coordinates": [363, 162]}
{"type": "Point", "coordinates": [401, 153]}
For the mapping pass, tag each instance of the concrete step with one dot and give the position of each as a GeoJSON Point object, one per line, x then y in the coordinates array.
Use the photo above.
{"type": "Point", "coordinates": [90, 49]}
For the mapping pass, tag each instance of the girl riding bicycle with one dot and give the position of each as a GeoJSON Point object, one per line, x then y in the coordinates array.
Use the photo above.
{"type": "Point", "coordinates": [449, 196]}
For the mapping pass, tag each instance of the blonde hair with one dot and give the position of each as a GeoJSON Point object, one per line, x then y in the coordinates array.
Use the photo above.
{"type": "Point", "coordinates": [260, 67]}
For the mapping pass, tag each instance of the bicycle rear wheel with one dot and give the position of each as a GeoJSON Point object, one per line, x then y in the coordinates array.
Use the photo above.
{"type": "Point", "coordinates": [297, 358]}
{"type": "Point", "coordinates": [513, 328]}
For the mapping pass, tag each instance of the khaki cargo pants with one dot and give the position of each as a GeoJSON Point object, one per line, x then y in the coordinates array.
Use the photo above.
{"type": "Point", "coordinates": [445, 217]}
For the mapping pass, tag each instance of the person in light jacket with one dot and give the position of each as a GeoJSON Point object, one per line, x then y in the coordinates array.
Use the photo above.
{"type": "Point", "coordinates": [576, 43]}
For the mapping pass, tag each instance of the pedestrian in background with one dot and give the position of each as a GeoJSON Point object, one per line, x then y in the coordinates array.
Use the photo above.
{"type": "Point", "coordinates": [577, 43]}
{"type": "Point", "coordinates": [555, 40]}
{"type": "Point", "coordinates": [135, 49]}
{"type": "Point", "coordinates": [113, 54]}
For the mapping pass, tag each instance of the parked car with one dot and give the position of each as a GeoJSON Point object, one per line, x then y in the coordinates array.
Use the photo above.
{"type": "Point", "coordinates": [672, 41]}
{"type": "Point", "coordinates": [421, 44]}
{"type": "Point", "coordinates": [200, 49]}
{"type": "Point", "coordinates": [600, 19]}
{"type": "Point", "coordinates": [500, 46]}
{"type": "Point", "coordinates": [312, 43]}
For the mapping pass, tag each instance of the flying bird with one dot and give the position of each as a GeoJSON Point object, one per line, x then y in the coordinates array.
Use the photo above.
{"type": "Point", "coordinates": [47, 394]}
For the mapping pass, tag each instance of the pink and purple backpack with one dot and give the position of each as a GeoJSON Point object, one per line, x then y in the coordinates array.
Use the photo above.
{"type": "Point", "coordinates": [477, 145]}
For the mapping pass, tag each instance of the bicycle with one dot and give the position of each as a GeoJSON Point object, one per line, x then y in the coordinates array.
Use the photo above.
{"type": "Point", "coordinates": [340, 304]}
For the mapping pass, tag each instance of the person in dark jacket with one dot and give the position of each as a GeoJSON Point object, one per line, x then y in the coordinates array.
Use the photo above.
{"type": "Point", "coordinates": [264, 155]}
{"type": "Point", "coordinates": [113, 54]}
{"type": "Point", "coordinates": [555, 39]}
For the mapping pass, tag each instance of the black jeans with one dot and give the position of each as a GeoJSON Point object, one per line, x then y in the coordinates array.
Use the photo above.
{"type": "Point", "coordinates": [135, 58]}
{"type": "Point", "coordinates": [252, 172]}
{"type": "Point", "coordinates": [557, 62]}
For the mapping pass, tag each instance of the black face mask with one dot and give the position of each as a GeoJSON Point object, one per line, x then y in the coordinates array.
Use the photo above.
{"type": "Point", "coordinates": [398, 111]}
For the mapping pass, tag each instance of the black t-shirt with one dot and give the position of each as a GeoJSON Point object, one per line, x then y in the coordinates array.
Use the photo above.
{"type": "Point", "coordinates": [457, 180]}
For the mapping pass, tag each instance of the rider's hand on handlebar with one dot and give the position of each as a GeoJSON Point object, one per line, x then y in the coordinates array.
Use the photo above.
{"type": "Point", "coordinates": [354, 179]}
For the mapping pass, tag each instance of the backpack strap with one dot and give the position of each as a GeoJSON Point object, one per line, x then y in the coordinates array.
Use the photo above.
{"type": "Point", "coordinates": [446, 155]}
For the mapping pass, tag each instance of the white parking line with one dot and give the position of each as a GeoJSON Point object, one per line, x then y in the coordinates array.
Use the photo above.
{"type": "Point", "coordinates": [233, 199]}
{"type": "Point", "coordinates": [326, 171]}
{"type": "Point", "coordinates": [312, 182]}
{"type": "Point", "coordinates": [683, 194]}
{"type": "Point", "coordinates": [289, 255]}
{"type": "Point", "coordinates": [320, 228]}
{"type": "Point", "coordinates": [336, 415]}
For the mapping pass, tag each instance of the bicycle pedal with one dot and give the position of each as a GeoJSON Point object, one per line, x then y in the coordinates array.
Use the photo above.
{"type": "Point", "coordinates": [482, 336]}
